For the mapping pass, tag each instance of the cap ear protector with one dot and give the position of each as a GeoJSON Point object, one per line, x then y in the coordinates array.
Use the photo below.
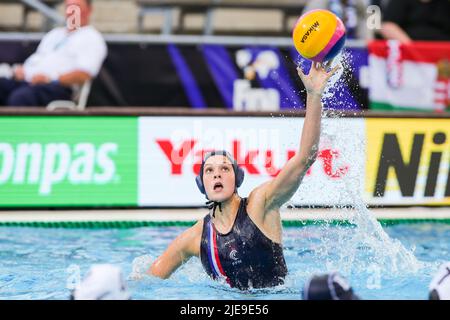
{"type": "Point", "coordinates": [238, 172]}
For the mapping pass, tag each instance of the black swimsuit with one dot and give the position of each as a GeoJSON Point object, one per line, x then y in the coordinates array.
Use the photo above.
{"type": "Point", "coordinates": [244, 257]}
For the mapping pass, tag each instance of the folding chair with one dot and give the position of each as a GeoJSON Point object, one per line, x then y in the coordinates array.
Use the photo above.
{"type": "Point", "coordinates": [79, 102]}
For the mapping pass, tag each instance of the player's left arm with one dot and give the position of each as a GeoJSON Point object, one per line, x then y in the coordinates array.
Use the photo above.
{"type": "Point", "coordinates": [279, 190]}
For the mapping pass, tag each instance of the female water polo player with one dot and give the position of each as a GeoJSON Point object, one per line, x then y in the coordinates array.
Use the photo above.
{"type": "Point", "coordinates": [239, 241]}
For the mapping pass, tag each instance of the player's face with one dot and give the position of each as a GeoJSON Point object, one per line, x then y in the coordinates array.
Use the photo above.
{"type": "Point", "coordinates": [218, 178]}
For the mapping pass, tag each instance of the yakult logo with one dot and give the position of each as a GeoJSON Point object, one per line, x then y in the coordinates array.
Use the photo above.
{"type": "Point", "coordinates": [171, 151]}
{"type": "Point", "coordinates": [249, 160]}
{"type": "Point", "coordinates": [47, 165]}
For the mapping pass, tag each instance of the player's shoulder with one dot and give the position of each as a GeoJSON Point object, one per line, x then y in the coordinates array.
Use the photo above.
{"type": "Point", "coordinates": [198, 226]}
{"type": "Point", "coordinates": [195, 230]}
{"type": "Point", "coordinates": [258, 194]}
{"type": "Point", "coordinates": [256, 200]}
{"type": "Point", "coordinates": [192, 238]}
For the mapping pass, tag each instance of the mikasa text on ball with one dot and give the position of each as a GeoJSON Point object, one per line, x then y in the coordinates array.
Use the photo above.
{"type": "Point", "coordinates": [319, 35]}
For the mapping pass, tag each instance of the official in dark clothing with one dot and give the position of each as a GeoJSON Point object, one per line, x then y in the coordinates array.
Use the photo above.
{"type": "Point", "coordinates": [416, 20]}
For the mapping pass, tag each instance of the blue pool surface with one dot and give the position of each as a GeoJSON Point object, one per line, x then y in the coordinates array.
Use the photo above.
{"type": "Point", "coordinates": [43, 263]}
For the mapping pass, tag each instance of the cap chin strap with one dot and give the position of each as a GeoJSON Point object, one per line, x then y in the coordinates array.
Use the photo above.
{"type": "Point", "coordinates": [212, 205]}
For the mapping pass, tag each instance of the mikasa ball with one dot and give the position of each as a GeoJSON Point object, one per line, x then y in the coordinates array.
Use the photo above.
{"type": "Point", "coordinates": [319, 35]}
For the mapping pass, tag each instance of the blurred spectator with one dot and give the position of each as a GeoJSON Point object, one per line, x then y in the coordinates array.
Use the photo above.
{"type": "Point", "coordinates": [440, 285]}
{"type": "Point", "coordinates": [408, 20]}
{"type": "Point", "coordinates": [66, 57]}
{"type": "Point", "coordinates": [102, 282]}
{"type": "Point", "coordinates": [352, 13]}
{"type": "Point", "coordinates": [331, 286]}
{"type": "Point", "coordinates": [380, 3]}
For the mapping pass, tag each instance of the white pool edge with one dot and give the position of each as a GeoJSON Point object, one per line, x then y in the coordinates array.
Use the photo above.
{"type": "Point", "coordinates": [160, 215]}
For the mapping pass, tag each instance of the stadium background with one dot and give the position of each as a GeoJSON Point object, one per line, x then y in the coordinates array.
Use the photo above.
{"type": "Point", "coordinates": [153, 84]}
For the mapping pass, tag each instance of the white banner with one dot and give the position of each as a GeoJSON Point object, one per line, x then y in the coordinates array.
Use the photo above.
{"type": "Point", "coordinates": [171, 148]}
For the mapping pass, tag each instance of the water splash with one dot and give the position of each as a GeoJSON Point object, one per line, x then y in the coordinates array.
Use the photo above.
{"type": "Point", "coordinates": [336, 98]}
{"type": "Point", "coordinates": [345, 248]}
{"type": "Point", "coordinates": [139, 266]}
{"type": "Point", "coordinates": [367, 248]}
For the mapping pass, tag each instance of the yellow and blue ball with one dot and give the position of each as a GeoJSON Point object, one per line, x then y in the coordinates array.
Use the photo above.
{"type": "Point", "coordinates": [319, 35]}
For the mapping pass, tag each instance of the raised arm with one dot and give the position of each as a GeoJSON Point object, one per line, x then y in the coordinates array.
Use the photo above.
{"type": "Point", "coordinates": [282, 188]}
{"type": "Point", "coordinates": [179, 251]}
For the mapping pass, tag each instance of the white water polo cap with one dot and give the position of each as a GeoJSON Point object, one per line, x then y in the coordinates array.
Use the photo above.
{"type": "Point", "coordinates": [440, 285]}
{"type": "Point", "coordinates": [102, 282]}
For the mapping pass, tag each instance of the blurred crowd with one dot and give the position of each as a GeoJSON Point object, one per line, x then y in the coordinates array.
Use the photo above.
{"type": "Point", "coordinates": [402, 20]}
{"type": "Point", "coordinates": [71, 56]}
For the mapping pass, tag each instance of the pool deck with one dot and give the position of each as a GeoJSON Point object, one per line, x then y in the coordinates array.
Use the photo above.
{"type": "Point", "coordinates": [159, 215]}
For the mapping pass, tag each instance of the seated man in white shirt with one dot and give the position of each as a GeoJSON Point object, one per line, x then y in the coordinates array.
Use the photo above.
{"type": "Point", "coordinates": [66, 57]}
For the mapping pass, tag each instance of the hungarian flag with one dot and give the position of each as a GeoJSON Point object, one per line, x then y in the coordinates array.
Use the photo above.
{"type": "Point", "coordinates": [413, 77]}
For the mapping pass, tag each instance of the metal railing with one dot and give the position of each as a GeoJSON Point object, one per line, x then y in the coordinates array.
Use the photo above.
{"type": "Point", "coordinates": [46, 10]}
{"type": "Point", "coordinates": [180, 39]}
{"type": "Point", "coordinates": [44, 7]}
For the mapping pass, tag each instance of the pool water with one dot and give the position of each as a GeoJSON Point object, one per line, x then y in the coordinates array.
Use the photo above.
{"type": "Point", "coordinates": [40, 263]}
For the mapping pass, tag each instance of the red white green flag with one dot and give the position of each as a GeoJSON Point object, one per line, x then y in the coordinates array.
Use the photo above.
{"type": "Point", "coordinates": [412, 77]}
